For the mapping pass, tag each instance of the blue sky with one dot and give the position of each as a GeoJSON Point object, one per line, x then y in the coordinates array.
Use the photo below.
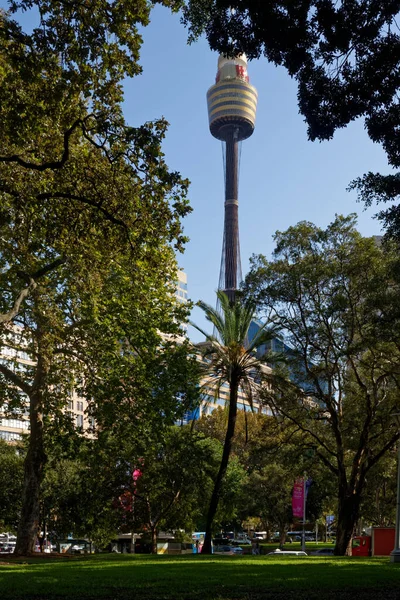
{"type": "Point", "coordinates": [284, 178]}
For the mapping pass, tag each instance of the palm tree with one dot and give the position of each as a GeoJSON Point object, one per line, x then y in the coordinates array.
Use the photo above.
{"type": "Point", "coordinates": [230, 358]}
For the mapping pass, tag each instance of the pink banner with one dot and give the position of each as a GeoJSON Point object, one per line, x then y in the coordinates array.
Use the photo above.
{"type": "Point", "coordinates": [298, 498]}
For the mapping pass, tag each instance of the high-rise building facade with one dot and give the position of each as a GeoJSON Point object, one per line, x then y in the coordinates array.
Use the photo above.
{"type": "Point", "coordinates": [181, 287]}
{"type": "Point", "coordinates": [14, 420]}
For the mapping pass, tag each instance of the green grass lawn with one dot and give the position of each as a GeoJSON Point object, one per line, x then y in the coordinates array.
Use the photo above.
{"type": "Point", "coordinates": [194, 577]}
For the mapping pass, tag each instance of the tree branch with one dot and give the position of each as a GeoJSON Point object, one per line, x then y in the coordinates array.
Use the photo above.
{"type": "Point", "coordinates": [372, 461]}
{"type": "Point", "coordinates": [11, 314]}
{"type": "Point", "coordinates": [32, 284]}
{"type": "Point", "coordinates": [15, 379]}
{"type": "Point", "coordinates": [43, 271]}
{"type": "Point", "coordinates": [56, 164]}
{"type": "Point", "coordinates": [84, 200]}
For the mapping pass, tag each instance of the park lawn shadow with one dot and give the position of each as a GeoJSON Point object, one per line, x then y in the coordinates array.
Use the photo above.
{"type": "Point", "coordinates": [201, 577]}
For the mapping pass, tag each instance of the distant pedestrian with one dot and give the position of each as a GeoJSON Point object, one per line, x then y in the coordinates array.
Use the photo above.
{"type": "Point", "coordinates": [255, 549]}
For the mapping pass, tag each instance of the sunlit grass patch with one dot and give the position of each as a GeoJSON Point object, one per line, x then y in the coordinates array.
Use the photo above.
{"type": "Point", "coordinates": [194, 577]}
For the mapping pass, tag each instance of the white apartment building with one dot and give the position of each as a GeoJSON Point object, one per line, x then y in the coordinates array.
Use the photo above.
{"type": "Point", "coordinates": [181, 287]}
{"type": "Point", "coordinates": [14, 422]}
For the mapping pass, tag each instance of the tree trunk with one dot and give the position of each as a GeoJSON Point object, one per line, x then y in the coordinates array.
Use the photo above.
{"type": "Point", "coordinates": [282, 537]}
{"type": "Point", "coordinates": [28, 528]}
{"type": "Point", "coordinates": [269, 533]}
{"type": "Point", "coordinates": [153, 539]}
{"type": "Point", "coordinates": [230, 431]}
{"type": "Point", "coordinates": [348, 509]}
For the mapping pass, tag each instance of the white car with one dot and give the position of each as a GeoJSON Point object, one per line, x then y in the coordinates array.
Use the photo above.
{"type": "Point", "coordinates": [7, 547]}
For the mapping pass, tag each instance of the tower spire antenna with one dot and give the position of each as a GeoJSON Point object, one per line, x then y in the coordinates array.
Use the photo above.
{"type": "Point", "coordinates": [232, 104]}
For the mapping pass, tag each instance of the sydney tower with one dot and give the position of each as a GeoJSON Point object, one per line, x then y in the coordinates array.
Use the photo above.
{"type": "Point", "coordinates": [232, 104]}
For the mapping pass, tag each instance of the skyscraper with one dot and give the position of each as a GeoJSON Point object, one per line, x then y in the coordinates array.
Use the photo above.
{"type": "Point", "coordinates": [232, 104]}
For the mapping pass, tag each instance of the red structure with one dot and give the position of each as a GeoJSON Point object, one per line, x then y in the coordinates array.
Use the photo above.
{"type": "Point", "coordinates": [361, 545]}
{"type": "Point", "coordinates": [380, 543]}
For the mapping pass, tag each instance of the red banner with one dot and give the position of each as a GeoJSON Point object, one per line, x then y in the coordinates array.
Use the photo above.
{"type": "Point", "coordinates": [298, 498]}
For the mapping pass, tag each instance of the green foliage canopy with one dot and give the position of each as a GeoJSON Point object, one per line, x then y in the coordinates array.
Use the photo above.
{"type": "Point", "coordinates": [334, 295]}
{"type": "Point", "coordinates": [90, 219]}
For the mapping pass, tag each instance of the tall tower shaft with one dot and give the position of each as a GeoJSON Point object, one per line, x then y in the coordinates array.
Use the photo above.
{"type": "Point", "coordinates": [232, 104]}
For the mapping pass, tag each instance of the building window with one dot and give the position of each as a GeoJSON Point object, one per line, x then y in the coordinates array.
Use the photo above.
{"type": "Point", "coordinates": [70, 404]}
{"type": "Point", "coordinates": [79, 405]}
{"type": "Point", "coordinates": [15, 423]}
{"type": "Point", "coordinates": [10, 436]}
{"type": "Point", "coordinates": [79, 420]}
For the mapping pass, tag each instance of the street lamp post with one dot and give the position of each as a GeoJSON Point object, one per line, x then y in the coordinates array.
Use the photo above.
{"type": "Point", "coordinates": [303, 537]}
{"type": "Point", "coordinates": [395, 554]}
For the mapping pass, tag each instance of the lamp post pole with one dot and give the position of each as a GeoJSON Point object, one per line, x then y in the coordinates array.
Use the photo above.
{"type": "Point", "coordinates": [303, 537]}
{"type": "Point", "coordinates": [395, 554]}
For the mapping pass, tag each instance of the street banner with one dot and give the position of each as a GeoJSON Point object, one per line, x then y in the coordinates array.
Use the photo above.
{"type": "Point", "coordinates": [298, 498]}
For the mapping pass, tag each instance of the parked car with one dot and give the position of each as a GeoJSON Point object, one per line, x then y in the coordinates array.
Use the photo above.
{"type": "Point", "coordinates": [229, 550]}
{"type": "Point", "coordinates": [323, 552]}
{"type": "Point", "coordinates": [7, 547]}
{"type": "Point", "coordinates": [287, 552]}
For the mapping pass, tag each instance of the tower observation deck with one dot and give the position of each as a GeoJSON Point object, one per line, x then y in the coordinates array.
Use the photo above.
{"type": "Point", "coordinates": [232, 104]}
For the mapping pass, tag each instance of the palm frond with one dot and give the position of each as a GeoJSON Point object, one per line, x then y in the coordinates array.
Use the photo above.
{"type": "Point", "coordinates": [210, 338]}
{"type": "Point", "coordinates": [215, 316]}
{"type": "Point", "coordinates": [232, 351]}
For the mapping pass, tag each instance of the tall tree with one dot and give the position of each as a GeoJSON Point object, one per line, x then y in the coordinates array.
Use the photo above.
{"type": "Point", "coordinates": [72, 328]}
{"type": "Point", "coordinates": [230, 358]}
{"type": "Point", "coordinates": [328, 290]}
{"type": "Point", "coordinates": [344, 57]}
{"type": "Point", "coordinates": [90, 215]}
